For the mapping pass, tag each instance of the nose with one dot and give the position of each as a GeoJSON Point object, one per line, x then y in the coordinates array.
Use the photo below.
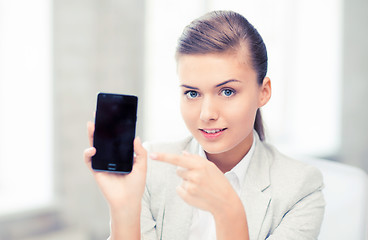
{"type": "Point", "coordinates": [208, 110]}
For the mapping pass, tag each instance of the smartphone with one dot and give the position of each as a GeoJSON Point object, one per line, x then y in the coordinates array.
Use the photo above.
{"type": "Point", "coordinates": [115, 124]}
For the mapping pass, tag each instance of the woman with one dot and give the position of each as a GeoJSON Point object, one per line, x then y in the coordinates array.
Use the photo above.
{"type": "Point", "coordinates": [223, 182]}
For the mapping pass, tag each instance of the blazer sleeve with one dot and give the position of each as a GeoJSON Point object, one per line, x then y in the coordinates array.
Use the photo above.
{"type": "Point", "coordinates": [148, 224]}
{"type": "Point", "coordinates": [303, 219]}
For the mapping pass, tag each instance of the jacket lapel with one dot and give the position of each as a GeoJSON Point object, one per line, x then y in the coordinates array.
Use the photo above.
{"type": "Point", "coordinates": [254, 197]}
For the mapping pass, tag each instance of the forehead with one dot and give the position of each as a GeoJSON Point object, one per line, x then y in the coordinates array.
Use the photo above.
{"type": "Point", "coordinates": [213, 68]}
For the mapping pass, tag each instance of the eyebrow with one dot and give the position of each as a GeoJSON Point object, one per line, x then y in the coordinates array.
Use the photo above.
{"type": "Point", "coordinates": [190, 87]}
{"type": "Point", "coordinates": [218, 85]}
{"type": "Point", "coordinates": [228, 81]}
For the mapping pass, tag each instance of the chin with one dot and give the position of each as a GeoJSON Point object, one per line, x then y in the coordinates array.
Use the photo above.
{"type": "Point", "coordinates": [214, 148]}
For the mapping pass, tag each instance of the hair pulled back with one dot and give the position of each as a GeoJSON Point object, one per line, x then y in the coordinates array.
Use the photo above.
{"type": "Point", "coordinates": [227, 31]}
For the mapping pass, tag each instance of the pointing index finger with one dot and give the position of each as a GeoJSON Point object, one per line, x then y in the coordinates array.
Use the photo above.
{"type": "Point", "coordinates": [174, 159]}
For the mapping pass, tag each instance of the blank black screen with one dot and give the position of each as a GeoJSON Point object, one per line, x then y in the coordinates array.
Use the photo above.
{"type": "Point", "coordinates": [114, 132]}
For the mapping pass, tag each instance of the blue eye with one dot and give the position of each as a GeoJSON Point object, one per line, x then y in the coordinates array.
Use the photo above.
{"type": "Point", "coordinates": [191, 94]}
{"type": "Point", "coordinates": [227, 92]}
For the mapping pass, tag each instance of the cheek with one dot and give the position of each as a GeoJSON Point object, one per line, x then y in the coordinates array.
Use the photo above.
{"type": "Point", "coordinates": [187, 113]}
{"type": "Point", "coordinates": [241, 115]}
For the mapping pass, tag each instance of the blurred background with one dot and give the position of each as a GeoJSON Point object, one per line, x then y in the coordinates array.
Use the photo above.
{"type": "Point", "coordinates": [56, 55]}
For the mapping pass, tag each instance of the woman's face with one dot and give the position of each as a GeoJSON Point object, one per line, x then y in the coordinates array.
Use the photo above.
{"type": "Point", "coordinates": [220, 98]}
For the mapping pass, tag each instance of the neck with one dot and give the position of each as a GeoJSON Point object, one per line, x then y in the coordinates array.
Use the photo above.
{"type": "Point", "coordinates": [226, 161]}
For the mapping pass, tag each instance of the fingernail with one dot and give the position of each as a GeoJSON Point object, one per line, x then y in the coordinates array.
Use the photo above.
{"type": "Point", "coordinates": [138, 139]}
{"type": "Point", "coordinates": [153, 156]}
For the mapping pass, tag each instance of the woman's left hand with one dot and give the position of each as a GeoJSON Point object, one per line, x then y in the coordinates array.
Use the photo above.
{"type": "Point", "coordinates": [204, 186]}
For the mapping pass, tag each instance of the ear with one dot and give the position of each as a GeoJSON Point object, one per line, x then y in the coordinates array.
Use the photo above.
{"type": "Point", "coordinates": [265, 92]}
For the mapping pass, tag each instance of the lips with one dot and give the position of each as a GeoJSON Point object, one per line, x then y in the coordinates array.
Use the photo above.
{"type": "Point", "coordinates": [213, 132]}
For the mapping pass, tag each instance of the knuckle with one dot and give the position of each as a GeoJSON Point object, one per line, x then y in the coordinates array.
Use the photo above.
{"type": "Point", "coordinates": [192, 189]}
{"type": "Point", "coordinates": [177, 158]}
{"type": "Point", "coordinates": [196, 178]}
{"type": "Point", "coordinates": [86, 153]}
{"type": "Point", "coordinates": [180, 171]}
{"type": "Point", "coordinates": [202, 163]}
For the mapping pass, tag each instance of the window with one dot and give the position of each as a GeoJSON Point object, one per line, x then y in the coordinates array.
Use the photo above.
{"type": "Point", "coordinates": [25, 105]}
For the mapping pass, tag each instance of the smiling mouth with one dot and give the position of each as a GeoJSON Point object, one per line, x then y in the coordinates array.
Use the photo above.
{"type": "Point", "coordinates": [212, 131]}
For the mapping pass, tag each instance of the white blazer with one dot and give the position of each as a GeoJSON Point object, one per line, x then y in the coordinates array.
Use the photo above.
{"type": "Point", "coordinates": [282, 197]}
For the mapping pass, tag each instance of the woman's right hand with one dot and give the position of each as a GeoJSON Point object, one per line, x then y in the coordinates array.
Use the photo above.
{"type": "Point", "coordinates": [120, 190]}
